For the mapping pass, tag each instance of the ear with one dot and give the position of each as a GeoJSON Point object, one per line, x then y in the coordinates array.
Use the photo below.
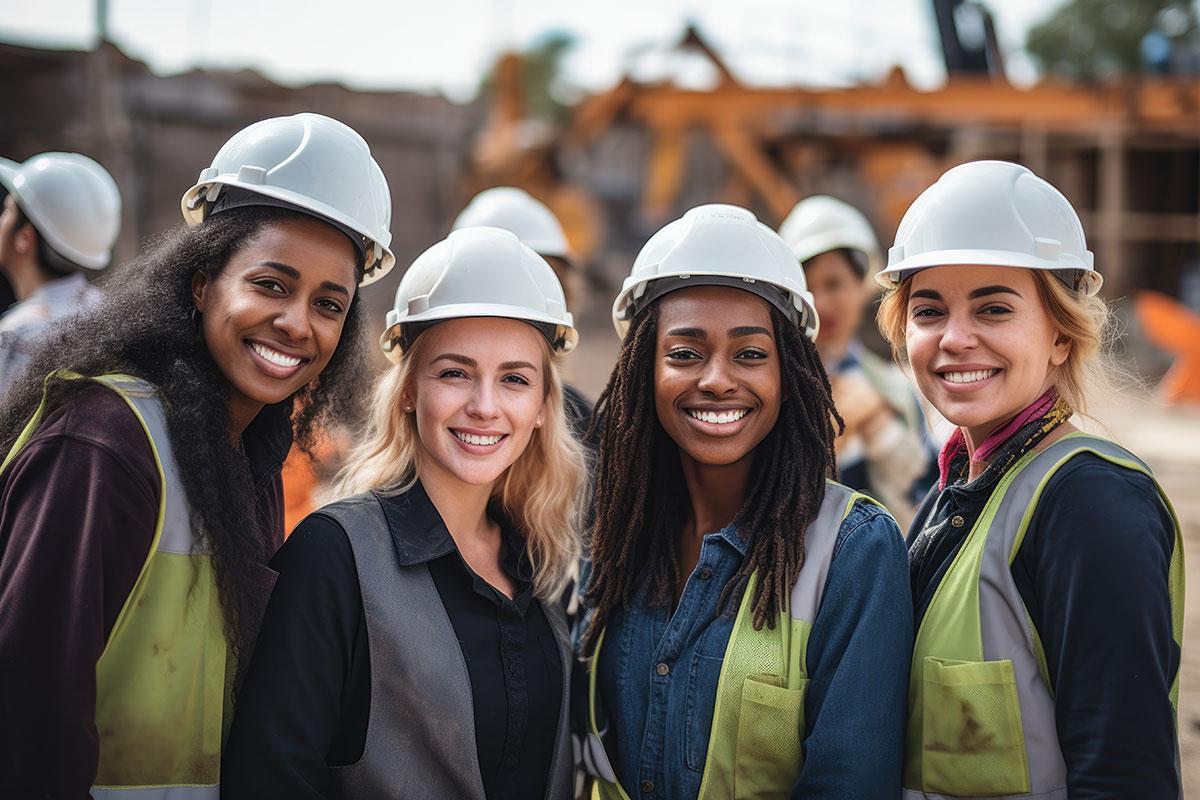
{"type": "Point", "coordinates": [541, 417]}
{"type": "Point", "coordinates": [25, 240]}
{"type": "Point", "coordinates": [1062, 349]}
{"type": "Point", "coordinates": [407, 404]}
{"type": "Point", "coordinates": [199, 290]}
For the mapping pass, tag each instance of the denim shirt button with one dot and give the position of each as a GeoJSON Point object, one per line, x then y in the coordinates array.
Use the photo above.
{"type": "Point", "coordinates": [705, 573]}
{"type": "Point", "coordinates": [663, 668]}
{"type": "Point", "coordinates": [647, 786]}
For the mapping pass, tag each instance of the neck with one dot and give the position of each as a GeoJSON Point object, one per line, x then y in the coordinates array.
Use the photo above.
{"type": "Point", "coordinates": [242, 412]}
{"type": "Point", "coordinates": [462, 506]}
{"type": "Point", "coordinates": [26, 277]}
{"type": "Point", "coordinates": [983, 442]}
{"type": "Point", "coordinates": [716, 493]}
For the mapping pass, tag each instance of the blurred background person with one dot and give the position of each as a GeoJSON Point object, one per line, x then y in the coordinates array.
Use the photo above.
{"type": "Point", "coordinates": [885, 449]}
{"type": "Point", "coordinates": [60, 221]}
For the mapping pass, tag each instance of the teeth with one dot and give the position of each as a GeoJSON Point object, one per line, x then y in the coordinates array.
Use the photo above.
{"type": "Point", "coordinates": [274, 356]}
{"type": "Point", "coordinates": [471, 438]}
{"type": "Point", "coordinates": [719, 417]}
{"type": "Point", "coordinates": [969, 377]}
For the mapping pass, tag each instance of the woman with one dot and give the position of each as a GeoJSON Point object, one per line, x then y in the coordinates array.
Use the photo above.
{"type": "Point", "coordinates": [1047, 571]}
{"type": "Point", "coordinates": [140, 491]}
{"type": "Point", "coordinates": [413, 646]}
{"type": "Point", "coordinates": [884, 450]}
{"type": "Point", "coordinates": [748, 634]}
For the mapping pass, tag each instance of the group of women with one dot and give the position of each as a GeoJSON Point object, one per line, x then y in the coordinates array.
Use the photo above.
{"type": "Point", "coordinates": [751, 628]}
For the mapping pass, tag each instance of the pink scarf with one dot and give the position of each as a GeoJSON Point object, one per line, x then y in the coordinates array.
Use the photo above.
{"type": "Point", "coordinates": [957, 442]}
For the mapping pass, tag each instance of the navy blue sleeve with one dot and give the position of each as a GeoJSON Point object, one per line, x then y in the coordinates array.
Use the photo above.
{"type": "Point", "coordinates": [303, 704]}
{"type": "Point", "coordinates": [859, 654]}
{"type": "Point", "coordinates": [1093, 571]}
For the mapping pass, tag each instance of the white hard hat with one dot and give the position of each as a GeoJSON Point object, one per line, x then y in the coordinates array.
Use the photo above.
{"type": "Point", "coordinates": [72, 202]}
{"type": "Point", "coordinates": [311, 163]}
{"type": "Point", "coordinates": [516, 210]}
{"type": "Point", "coordinates": [992, 213]}
{"type": "Point", "coordinates": [718, 245]}
{"type": "Point", "coordinates": [479, 272]}
{"type": "Point", "coordinates": [822, 223]}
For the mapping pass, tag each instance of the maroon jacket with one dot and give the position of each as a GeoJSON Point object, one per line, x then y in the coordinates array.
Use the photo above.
{"type": "Point", "coordinates": [78, 507]}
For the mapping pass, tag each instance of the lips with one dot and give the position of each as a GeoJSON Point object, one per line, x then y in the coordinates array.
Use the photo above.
{"type": "Point", "coordinates": [273, 361]}
{"type": "Point", "coordinates": [478, 442]}
{"type": "Point", "coordinates": [964, 377]}
{"type": "Point", "coordinates": [722, 417]}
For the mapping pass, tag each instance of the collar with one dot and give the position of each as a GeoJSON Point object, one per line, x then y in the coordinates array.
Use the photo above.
{"type": "Point", "coordinates": [729, 534]}
{"type": "Point", "coordinates": [420, 535]}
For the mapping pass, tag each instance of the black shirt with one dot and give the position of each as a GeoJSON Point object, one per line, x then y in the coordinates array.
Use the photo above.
{"type": "Point", "coordinates": [306, 700]}
{"type": "Point", "coordinates": [1092, 572]}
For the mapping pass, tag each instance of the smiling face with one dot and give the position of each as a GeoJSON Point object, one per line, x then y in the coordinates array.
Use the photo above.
{"type": "Point", "coordinates": [981, 344]}
{"type": "Point", "coordinates": [839, 295]}
{"type": "Point", "coordinates": [272, 319]}
{"type": "Point", "coordinates": [716, 373]}
{"type": "Point", "coordinates": [478, 390]}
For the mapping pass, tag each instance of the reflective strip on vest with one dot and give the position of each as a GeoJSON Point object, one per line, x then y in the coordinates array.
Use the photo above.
{"type": "Point", "coordinates": [764, 672]}
{"type": "Point", "coordinates": [981, 710]}
{"type": "Point", "coordinates": [161, 704]}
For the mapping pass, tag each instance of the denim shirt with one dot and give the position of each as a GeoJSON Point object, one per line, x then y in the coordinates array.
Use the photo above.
{"type": "Point", "coordinates": [659, 669]}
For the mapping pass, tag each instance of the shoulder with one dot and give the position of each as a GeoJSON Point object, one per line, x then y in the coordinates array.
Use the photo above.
{"type": "Point", "coordinates": [869, 527]}
{"type": "Point", "coordinates": [1100, 504]}
{"type": "Point", "coordinates": [317, 545]}
{"type": "Point", "coordinates": [96, 416]}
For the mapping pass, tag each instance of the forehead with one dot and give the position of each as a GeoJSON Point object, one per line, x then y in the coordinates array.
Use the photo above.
{"type": "Point", "coordinates": [830, 265]}
{"type": "Point", "coordinates": [485, 339]}
{"type": "Point", "coordinates": [712, 308]}
{"type": "Point", "coordinates": [962, 279]}
{"type": "Point", "coordinates": [318, 250]}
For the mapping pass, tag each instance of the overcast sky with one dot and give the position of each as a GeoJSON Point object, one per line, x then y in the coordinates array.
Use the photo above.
{"type": "Point", "coordinates": [447, 44]}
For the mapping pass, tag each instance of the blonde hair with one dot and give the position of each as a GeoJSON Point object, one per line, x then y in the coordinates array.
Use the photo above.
{"type": "Point", "coordinates": [1085, 321]}
{"type": "Point", "coordinates": [540, 493]}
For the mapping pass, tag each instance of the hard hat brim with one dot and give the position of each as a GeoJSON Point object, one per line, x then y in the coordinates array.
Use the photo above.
{"type": "Point", "coordinates": [568, 336]}
{"type": "Point", "coordinates": [1090, 280]}
{"type": "Point", "coordinates": [195, 209]}
{"type": "Point", "coordinates": [621, 306]}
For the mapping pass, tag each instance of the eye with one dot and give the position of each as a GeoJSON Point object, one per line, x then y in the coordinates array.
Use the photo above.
{"type": "Point", "coordinates": [995, 310]}
{"type": "Point", "coordinates": [330, 305]}
{"type": "Point", "coordinates": [515, 379]}
{"type": "Point", "coordinates": [452, 372]}
{"type": "Point", "coordinates": [271, 285]}
{"type": "Point", "coordinates": [751, 354]}
{"type": "Point", "coordinates": [683, 354]}
{"type": "Point", "coordinates": [925, 311]}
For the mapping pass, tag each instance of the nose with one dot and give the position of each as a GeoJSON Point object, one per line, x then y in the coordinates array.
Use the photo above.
{"type": "Point", "coordinates": [483, 402]}
{"type": "Point", "coordinates": [958, 334]}
{"type": "Point", "coordinates": [717, 378]}
{"type": "Point", "coordinates": [293, 321]}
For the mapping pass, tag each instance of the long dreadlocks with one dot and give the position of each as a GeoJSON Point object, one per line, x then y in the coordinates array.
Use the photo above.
{"type": "Point", "coordinates": [640, 502]}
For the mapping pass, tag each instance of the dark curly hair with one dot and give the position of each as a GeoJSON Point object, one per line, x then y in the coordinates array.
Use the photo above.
{"type": "Point", "coordinates": [144, 327]}
{"type": "Point", "coordinates": [640, 500]}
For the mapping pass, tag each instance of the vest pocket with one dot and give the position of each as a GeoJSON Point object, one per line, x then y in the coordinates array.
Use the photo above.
{"type": "Point", "coordinates": [972, 741]}
{"type": "Point", "coordinates": [770, 727]}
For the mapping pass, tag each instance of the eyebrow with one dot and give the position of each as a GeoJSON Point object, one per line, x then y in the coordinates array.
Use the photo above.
{"type": "Point", "coordinates": [294, 273]}
{"type": "Point", "coordinates": [734, 333]}
{"type": "Point", "coordinates": [982, 291]}
{"type": "Point", "coordinates": [467, 361]}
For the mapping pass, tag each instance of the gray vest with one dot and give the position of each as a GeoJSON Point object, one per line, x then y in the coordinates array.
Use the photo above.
{"type": "Point", "coordinates": [421, 729]}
